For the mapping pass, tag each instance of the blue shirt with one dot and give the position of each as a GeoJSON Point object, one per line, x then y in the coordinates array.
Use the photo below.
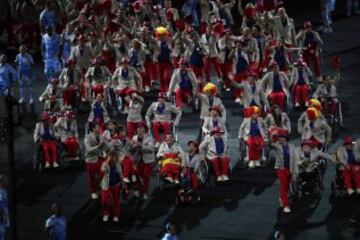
{"type": "Point", "coordinates": [24, 61]}
{"type": "Point", "coordinates": [301, 80]}
{"type": "Point", "coordinates": [196, 57]}
{"type": "Point", "coordinates": [189, 8]}
{"type": "Point", "coordinates": [168, 236]}
{"type": "Point", "coordinates": [242, 64]}
{"type": "Point", "coordinates": [185, 83]}
{"type": "Point", "coordinates": [4, 206]}
{"type": "Point", "coordinates": [277, 87]}
{"type": "Point", "coordinates": [254, 129]}
{"type": "Point", "coordinates": [134, 59]}
{"type": "Point", "coordinates": [98, 111]}
{"type": "Point", "coordinates": [125, 74]}
{"type": "Point", "coordinates": [286, 152]}
{"type": "Point", "coordinates": [57, 226]}
{"type": "Point", "coordinates": [161, 108]}
{"type": "Point", "coordinates": [50, 46]}
{"type": "Point", "coordinates": [47, 135]}
{"type": "Point", "coordinates": [215, 123]}
{"type": "Point", "coordinates": [8, 74]}
{"type": "Point", "coordinates": [114, 178]}
{"type": "Point", "coordinates": [351, 157]}
{"type": "Point", "coordinates": [164, 56]}
{"type": "Point", "coordinates": [219, 145]}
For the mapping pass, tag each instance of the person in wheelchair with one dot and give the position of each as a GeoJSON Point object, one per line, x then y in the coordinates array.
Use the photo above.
{"type": "Point", "coordinates": [53, 105]}
{"type": "Point", "coordinates": [70, 79]}
{"type": "Point", "coordinates": [315, 129]}
{"type": "Point", "coordinates": [327, 93]}
{"type": "Point", "coordinates": [66, 128]}
{"type": "Point", "coordinates": [300, 81]}
{"type": "Point", "coordinates": [215, 148]}
{"type": "Point", "coordinates": [183, 83]}
{"type": "Point", "coordinates": [161, 112]}
{"type": "Point", "coordinates": [276, 85]}
{"type": "Point", "coordinates": [253, 133]}
{"type": "Point", "coordinates": [143, 153]}
{"type": "Point", "coordinates": [191, 164]}
{"type": "Point", "coordinates": [312, 103]}
{"type": "Point", "coordinates": [213, 121]}
{"type": "Point", "coordinates": [276, 119]}
{"type": "Point", "coordinates": [208, 98]}
{"type": "Point", "coordinates": [252, 95]}
{"type": "Point", "coordinates": [312, 163]}
{"type": "Point", "coordinates": [45, 137]}
{"type": "Point", "coordinates": [97, 78]}
{"type": "Point", "coordinates": [349, 157]}
{"type": "Point", "coordinates": [285, 166]}
{"type": "Point", "coordinates": [99, 113]}
{"type": "Point", "coordinates": [125, 78]}
{"type": "Point", "coordinates": [171, 156]}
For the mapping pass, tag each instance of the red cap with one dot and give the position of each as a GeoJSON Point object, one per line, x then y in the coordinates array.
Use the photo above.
{"type": "Point", "coordinates": [162, 95]}
{"type": "Point", "coordinates": [137, 6]}
{"type": "Point", "coordinates": [45, 116]}
{"type": "Point", "coordinates": [348, 140]}
{"type": "Point", "coordinates": [70, 114]}
{"type": "Point", "coordinates": [307, 25]}
{"type": "Point", "coordinates": [307, 142]}
{"type": "Point", "coordinates": [250, 11]}
{"type": "Point", "coordinates": [96, 61]}
{"type": "Point", "coordinates": [274, 64]}
{"type": "Point", "coordinates": [125, 60]}
{"type": "Point", "coordinates": [54, 80]}
{"type": "Point", "coordinates": [216, 108]}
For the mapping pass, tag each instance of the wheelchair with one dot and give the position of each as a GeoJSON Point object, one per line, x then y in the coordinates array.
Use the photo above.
{"type": "Point", "coordinates": [288, 105]}
{"type": "Point", "coordinates": [185, 194]}
{"type": "Point", "coordinates": [193, 104]}
{"type": "Point", "coordinates": [206, 173]}
{"type": "Point", "coordinates": [39, 158]}
{"type": "Point", "coordinates": [334, 121]}
{"type": "Point", "coordinates": [308, 183]}
{"type": "Point", "coordinates": [265, 159]}
{"type": "Point", "coordinates": [338, 188]}
{"type": "Point", "coordinates": [68, 158]}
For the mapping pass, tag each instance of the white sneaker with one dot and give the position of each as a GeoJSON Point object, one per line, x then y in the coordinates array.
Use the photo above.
{"type": "Point", "coordinates": [287, 210]}
{"type": "Point", "coordinates": [237, 100]}
{"type": "Point", "coordinates": [257, 163]}
{"type": "Point", "coordinates": [225, 178]}
{"type": "Point", "coordinates": [137, 194]}
{"type": "Point", "coordinates": [105, 218]}
{"type": "Point", "coordinates": [358, 191]}
{"type": "Point", "coordinates": [170, 179]}
{"type": "Point", "coordinates": [31, 101]}
{"type": "Point", "coordinates": [219, 179]}
{"type": "Point", "coordinates": [306, 104]}
{"type": "Point", "coordinates": [133, 178]}
{"type": "Point", "coordinates": [227, 89]}
{"type": "Point", "coordinates": [56, 165]}
{"type": "Point", "coordinates": [94, 196]}
{"type": "Point", "coordinates": [145, 197]}
{"type": "Point", "coordinates": [126, 180]}
{"type": "Point", "coordinates": [115, 219]}
{"type": "Point", "coordinates": [176, 181]}
{"type": "Point", "coordinates": [21, 101]}
{"type": "Point", "coordinates": [350, 192]}
{"type": "Point", "coordinates": [251, 164]}
{"type": "Point", "coordinates": [297, 104]}
{"type": "Point", "coordinates": [147, 89]}
{"type": "Point", "coordinates": [47, 165]}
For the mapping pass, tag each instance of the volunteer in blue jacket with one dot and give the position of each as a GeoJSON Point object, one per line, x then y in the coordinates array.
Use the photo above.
{"type": "Point", "coordinates": [50, 45]}
{"type": "Point", "coordinates": [25, 74]}
{"type": "Point", "coordinates": [8, 75]}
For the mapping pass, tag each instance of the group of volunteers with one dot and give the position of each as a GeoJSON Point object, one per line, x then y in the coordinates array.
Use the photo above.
{"type": "Point", "coordinates": [112, 54]}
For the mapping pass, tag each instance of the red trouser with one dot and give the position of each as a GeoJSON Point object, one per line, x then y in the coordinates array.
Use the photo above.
{"type": "Point", "coordinates": [198, 71]}
{"type": "Point", "coordinates": [212, 61]}
{"type": "Point", "coordinates": [189, 173]}
{"type": "Point", "coordinates": [145, 171]}
{"type": "Point", "coordinates": [94, 174]}
{"type": "Point", "coordinates": [315, 143]}
{"type": "Point", "coordinates": [170, 170]}
{"type": "Point", "coordinates": [108, 195]}
{"type": "Point", "coordinates": [50, 151]}
{"type": "Point", "coordinates": [150, 69]}
{"type": "Point", "coordinates": [156, 126]}
{"type": "Point", "coordinates": [182, 95]}
{"type": "Point", "coordinates": [164, 71]}
{"type": "Point", "coordinates": [68, 96]}
{"type": "Point", "coordinates": [128, 167]}
{"type": "Point", "coordinates": [329, 106]}
{"type": "Point", "coordinates": [315, 60]}
{"type": "Point", "coordinates": [278, 98]}
{"type": "Point", "coordinates": [226, 70]}
{"type": "Point", "coordinates": [221, 166]}
{"type": "Point", "coordinates": [255, 144]}
{"type": "Point", "coordinates": [131, 128]}
{"type": "Point", "coordinates": [352, 174]}
{"type": "Point", "coordinates": [301, 93]}
{"type": "Point", "coordinates": [71, 146]}
{"type": "Point", "coordinates": [239, 77]}
{"type": "Point", "coordinates": [284, 177]}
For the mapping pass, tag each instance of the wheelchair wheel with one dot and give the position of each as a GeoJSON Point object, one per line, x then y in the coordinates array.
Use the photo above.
{"type": "Point", "coordinates": [340, 115]}
{"type": "Point", "coordinates": [204, 172]}
{"type": "Point", "coordinates": [242, 153]}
